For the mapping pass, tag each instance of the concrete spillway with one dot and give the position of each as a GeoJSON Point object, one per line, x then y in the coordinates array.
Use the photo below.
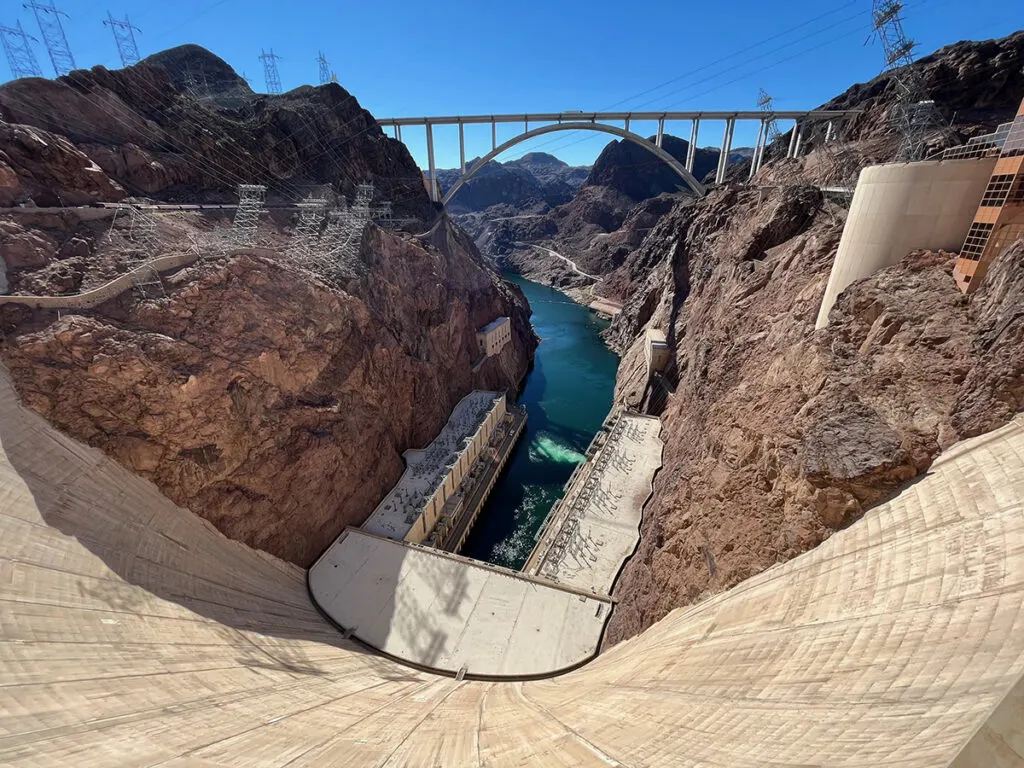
{"type": "Point", "coordinates": [134, 634]}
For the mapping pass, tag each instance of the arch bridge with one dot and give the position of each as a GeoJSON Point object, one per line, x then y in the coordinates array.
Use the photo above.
{"type": "Point", "coordinates": [606, 122]}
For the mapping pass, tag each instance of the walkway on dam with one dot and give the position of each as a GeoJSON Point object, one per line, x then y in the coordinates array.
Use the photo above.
{"type": "Point", "coordinates": [596, 526]}
{"type": "Point", "coordinates": [133, 634]}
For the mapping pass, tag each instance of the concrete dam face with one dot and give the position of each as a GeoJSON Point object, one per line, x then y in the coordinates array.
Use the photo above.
{"type": "Point", "coordinates": [134, 634]}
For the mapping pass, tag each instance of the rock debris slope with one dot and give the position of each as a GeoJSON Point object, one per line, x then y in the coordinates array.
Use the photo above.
{"type": "Point", "coordinates": [134, 634]}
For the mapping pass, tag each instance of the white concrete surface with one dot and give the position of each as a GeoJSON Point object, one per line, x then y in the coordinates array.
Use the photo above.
{"type": "Point", "coordinates": [901, 207]}
{"type": "Point", "coordinates": [446, 612]}
{"type": "Point", "coordinates": [596, 526]}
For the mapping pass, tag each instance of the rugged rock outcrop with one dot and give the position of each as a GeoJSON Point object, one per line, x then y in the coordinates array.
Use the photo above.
{"type": "Point", "coordinates": [776, 435]}
{"type": "Point", "coordinates": [148, 130]}
{"type": "Point", "coordinates": [269, 401]}
{"type": "Point", "coordinates": [532, 183]}
{"type": "Point", "coordinates": [634, 172]}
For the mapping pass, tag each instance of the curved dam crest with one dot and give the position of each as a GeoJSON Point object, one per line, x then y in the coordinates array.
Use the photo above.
{"type": "Point", "coordinates": [567, 396]}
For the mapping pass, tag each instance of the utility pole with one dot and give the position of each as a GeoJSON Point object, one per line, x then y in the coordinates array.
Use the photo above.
{"type": "Point", "coordinates": [326, 76]}
{"type": "Point", "coordinates": [270, 75]}
{"type": "Point", "coordinates": [52, 30]}
{"type": "Point", "coordinates": [124, 38]}
{"type": "Point", "coordinates": [20, 57]}
{"type": "Point", "coordinates": [914, 116]}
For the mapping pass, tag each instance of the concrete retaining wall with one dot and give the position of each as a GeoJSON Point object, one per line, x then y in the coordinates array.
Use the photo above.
{"type": "Point", "coordinates": [900, 207]}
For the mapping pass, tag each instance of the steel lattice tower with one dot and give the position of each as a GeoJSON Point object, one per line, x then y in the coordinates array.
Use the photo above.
{"type": "Point", "coordinates": [307, 231]}
{"type": "Point", "coordinates": [52, 30]}
{"type": "Point", "coordinates": [270, 75]}
{"type": "Point", "coordinates": [124, 37]}
{"type": "Point", "coordinates": [767, 105]}
{"type": "Point", "coordinates": [325, 69]}
{"type": "Point", "coordinates": [247, 215]}
{"type": "Point", "coordinates": [915, 116]}
{"type": "Point", "coordinates": [19, 53]}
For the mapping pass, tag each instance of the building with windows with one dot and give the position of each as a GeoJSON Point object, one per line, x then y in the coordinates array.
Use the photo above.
{"type": "Point", "coordinates": [999, 221]}
{"type": "Point", "coordinates": [656, 351]}
{"type": "Point", "coordinates": [430, 485]}
{"type": "Point", "coordinates": [493, 337]}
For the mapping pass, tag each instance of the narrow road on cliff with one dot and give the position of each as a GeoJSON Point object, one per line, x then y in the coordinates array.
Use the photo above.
{"type": "Point", "coordinates": [567, 260]}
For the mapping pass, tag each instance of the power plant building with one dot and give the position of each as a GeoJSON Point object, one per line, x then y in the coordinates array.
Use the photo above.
{"type": "Point", "coordinates": [430, 485]}
{"type": "Point", "coordinates": [493, 337]}
{"type": "Point", "coordinates": [999, 221]}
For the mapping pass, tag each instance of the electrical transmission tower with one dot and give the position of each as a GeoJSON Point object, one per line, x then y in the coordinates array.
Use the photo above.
{"type": "Point", "coordinates": [273, 79]}
{"type": "Point", "coordinates": [767, 105]}
{"type": "Point", "coordinates": [247, 215]}
{"type": "Point", "coordinates": [124, 37]}
{"type": "Point", "coordinates": [914, 117]}
{"type": "Point", "coordinates": [307, 231]}
{"type": "Point", "coordinates": [52, 30]}
{"type": "Point", "coordinates": [20, 57]}
{"type": "Point", "coordinates": [326, 76]}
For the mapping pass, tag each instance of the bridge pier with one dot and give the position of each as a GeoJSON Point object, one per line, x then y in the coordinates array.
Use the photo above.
{"type": "Point", "coordinates": [494, 135]}
{"type": "Point", "coordinates": [661, 133]}
{"type": "Point", "coordinates": [398, 131]}
{"type": "Point", "coordinates": [691, 151]}
{"type": "Point", "coordinates": [755, 161]}
{"type": "Point", "coordinates": [434, 197]}
{"type": "Point", "coordinates": [730, 125]}
{"type": "Point", "coordinates": [799, 139]}
{"type": "Point", "coordinates": [792, 139]}
{"type": "Point", "coordinates": [462, 148]}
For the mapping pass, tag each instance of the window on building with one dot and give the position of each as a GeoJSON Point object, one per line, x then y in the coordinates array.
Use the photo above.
{"type": "Point", "coordinates": [1014, 144]}
{"type": "Point", "coordinates": [1016, 194]}
{"type": "Point", "coordinates": [977, 238]}
{"type": "Point", "coordinates": [997, 190]}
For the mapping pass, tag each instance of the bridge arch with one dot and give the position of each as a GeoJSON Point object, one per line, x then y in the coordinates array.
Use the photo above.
{"type": "Point", "coordinates": [636, 138]}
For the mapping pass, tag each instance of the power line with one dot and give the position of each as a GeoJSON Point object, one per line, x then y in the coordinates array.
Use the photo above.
{"type": "Point", "coordinates": [52, 30]}
{"type": "Point", "coordinates": [124, 38]}
{"type": "Point", "coordinates": [20, 57]}
{"type": "Point", "coordinates": [270, 74]}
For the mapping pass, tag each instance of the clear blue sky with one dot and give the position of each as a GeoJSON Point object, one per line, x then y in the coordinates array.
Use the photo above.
{"type": "Point", "coordinates": [478, 56]}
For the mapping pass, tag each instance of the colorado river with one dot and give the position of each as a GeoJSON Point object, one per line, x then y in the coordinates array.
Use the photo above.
{"type": "Point", "coordinates": [567, 395]}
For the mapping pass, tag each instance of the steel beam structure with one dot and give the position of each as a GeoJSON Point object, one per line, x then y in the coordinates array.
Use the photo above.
{"type": "Point", "coordinates": [124, 39]}
{"type": "Point", "coordinates": [52, 30]}
{"type": "Point", "coordinates": [20, 58]}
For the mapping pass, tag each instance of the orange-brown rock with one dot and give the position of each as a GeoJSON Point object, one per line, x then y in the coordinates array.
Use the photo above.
{"type": "Point", "coordinates": [268, 402]}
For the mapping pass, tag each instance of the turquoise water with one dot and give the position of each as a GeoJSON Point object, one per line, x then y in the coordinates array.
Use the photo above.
{"type": "Point", "coordinates": [567, 395]}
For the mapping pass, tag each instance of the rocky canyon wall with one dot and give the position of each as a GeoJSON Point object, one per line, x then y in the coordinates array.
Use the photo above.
{"type": "Point", "coordinates": [777, 435]}
{"type": "Point", "coordinates": [269, 401]}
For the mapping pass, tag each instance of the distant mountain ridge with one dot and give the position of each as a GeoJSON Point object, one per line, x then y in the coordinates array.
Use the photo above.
{"type": "Point", "coordinates": [535, 180]}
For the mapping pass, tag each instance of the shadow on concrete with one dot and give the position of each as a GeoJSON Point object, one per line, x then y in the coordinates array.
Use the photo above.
{"type": "Point", "coordinates": [152, 548]}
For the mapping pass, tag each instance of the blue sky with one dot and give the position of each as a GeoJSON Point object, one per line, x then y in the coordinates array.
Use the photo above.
{"type": "Point", "coordinates": [404, 58]}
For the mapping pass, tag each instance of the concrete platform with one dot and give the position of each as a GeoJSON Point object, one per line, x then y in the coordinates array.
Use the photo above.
{"type": "Point", "coordinates": [449, 613]}
{"type": "Point", "coordinates": [596, 526]}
